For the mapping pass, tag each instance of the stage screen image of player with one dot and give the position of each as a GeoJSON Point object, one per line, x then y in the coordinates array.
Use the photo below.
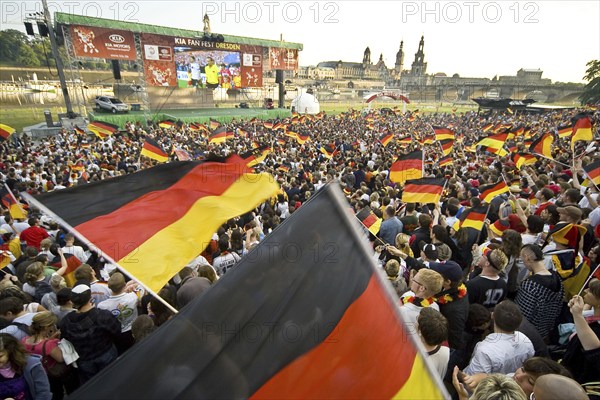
{"type": "Point", "coordinates": [191, 66]}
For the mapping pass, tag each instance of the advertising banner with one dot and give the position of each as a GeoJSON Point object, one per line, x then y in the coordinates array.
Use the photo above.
{"type": "Point", "coordinates": [159, 60]}
{"type": "Point", "coordinates": [102, 43]}
{"type": "Point", "coordinates": [251, 70]}
{"type": "Point", "coordinates": [285, 59]}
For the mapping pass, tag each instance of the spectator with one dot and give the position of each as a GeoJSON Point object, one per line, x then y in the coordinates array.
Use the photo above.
{"type": "Point", "coordinates": [390, 227]}
{"type": "Point", "coordinates": [433, 331]}
{"type": "Point", "coordinates": [424, 284]}
{"type": "Point", "coordinates": [557, 387]}
{"type": "Point", "coordinates": [488, 289]}
{"type": "Point", "coordinates": [34, 235]}
{"type": "Point", "coordinates": [191, 287]}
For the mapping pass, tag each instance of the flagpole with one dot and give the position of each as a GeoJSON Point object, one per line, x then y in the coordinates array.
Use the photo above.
{"type": "Point", "coordinates": [89, 244]}
{"type": "Point", "coordinates": [591, 180]}
{"type": "Point", "coordinates": [588, 280]}
{"type": "Point", "coordinates": [16, 200]}
{"type": "Point", "coordinates": [552, 159]}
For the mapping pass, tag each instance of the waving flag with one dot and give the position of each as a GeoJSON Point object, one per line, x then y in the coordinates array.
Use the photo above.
{"type": "Point", "coordinates": [371, 221]}
{"type": "Point", "coordinates": [565, 131]}
{"type": "Point", "coordinates": [542, 145]}
{"type": "Point", "coordinates": [5, 132]}
{"type": "Point", "coordinates": [443, 133]}
{"type": "Point", "coordinates": [152, 149]}
{"type": "Point", "coordinates": [582, 131]}
{"type": "Point", "coordinates": [593, 172]}
{"type": "Point", "coordinates": [10, 202]}
{"type": "Point", "coordinates": [488, 192]}
{"type": "Point", "coordinates": [214, 124]}
{"type": "Point", "coordinates": [494, 143]}
{"type": "Point", "coordinates": [78, 130]}
{"type": "Point", "coordinates": [474, 218]}
{"type": "Point", "coordinates": [220, 136]}
{"type": "Point", "coordinates": [102, 129]}
{"type": "Point", "coordinates": [425, 190]}
{"type": "Point", "coordinates": [155, 221]}
{"type": "Point", "coordinates": [409, 166]}
{"type": "Point", "coordinates": [167, 124]}
{"type": "Point", "coordinates": [386, 139]}
{"type": "Point", "coordinates": [276, 320]}
{"type": "Point", "coordinates": [256, 156]}
{"type": "Point", "coordinates": [522, 159]}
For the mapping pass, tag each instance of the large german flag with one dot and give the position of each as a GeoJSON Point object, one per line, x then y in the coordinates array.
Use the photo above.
{"type": "Point", "coordinates": [409, 166]}
{"type": "Point", "coordinates": [214, 124]}
{"type": "Point", "coordinates": [11, 204]}
{"type": "Point", "coordinates": [371, 221]}
{"type": "Point", "coordinates": [153, 150]}
{"type": "Point", "coordinates": [5, 132]}
{"type": "Point", "coordinates": [474, 218]}
{"type": "Point", "coordinates": [102, 129]}
{"type": "Point", "coordinates": [155, 221]}
{"type": "Point", "coordinates": [490, 191]}
{"type": "Point", "coordinates": [424, 190]}
{"type": "Point", "coordinates": [593, 172]}
{"type": "Point", "coordinates": [443, 133]}
{"type": "Point", "coordinates": [582, 130]}
{"type": "Point", "coordinates": [444, 161]}
{"type": "Point", "coordinates": [494, 143]}
{"type": "Point", "coordinates": [296, 318]}
{"type": "Point", "coordinates": [542, 145]}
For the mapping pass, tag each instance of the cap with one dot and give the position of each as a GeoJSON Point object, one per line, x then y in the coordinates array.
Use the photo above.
{"type": "Point", "coordinates": [80, 295]}
{"type": "Point", "coordinates": [449, 270]}
{"type": "Point", "coordinates": [573, 212]}
{"type": "Point", "coordinates": [430, 250]}
{"type": "Point", "coordinates": [474, 183]}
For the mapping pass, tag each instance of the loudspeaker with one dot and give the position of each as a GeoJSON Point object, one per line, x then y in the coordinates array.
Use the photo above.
{"type": "Point", "coordinates": [116, 70]}
{"type": "Point", "coordinates": [43, 29]}
{"type": "Point", "coordinates": [29, 29]}
{"type": "Point", "coordinates": [279, 76]}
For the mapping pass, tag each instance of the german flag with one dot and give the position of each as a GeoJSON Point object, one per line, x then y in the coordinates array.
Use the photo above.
{"type": "Point", "coordinates": [102, 129]}
{"type": "Point", "coordinates": [301, 139]}
{"type": "Point", "coordinates": [291, 134]}
{"type": "Point", "coordinates": [77, 167]}
{"type": "Point", "coordinates": [510, 111]}
{"type": "Point", "coordinates": [582, 130]}
{"type": "Point", "coordinates": [474, 218]}
{"type": "Point", "coordinates": [522, 159]}
{"type": "Point", "coordinates": [5, 132]}
{"type": "Point", "coordinates": [153, 150]}
{"type": "Point", "coordinates": [369, 220]}
{"type": "Point", "coordinates": [444, 161]}
{"type": "Point", "coordinates": [593, 172]}
{"type": "Point", "coordinates": [565, 131]}
{"type": "Point", "coordinates": [405, 141]}
{"type": "Point", "coordinates": [283, 168]}
{"type": "Point", "coordinates": [409, 166]}
{"type": "Point", "coordinates": [488, 192]}
{"type": "Point", "coordinates": [78, 130]}
{"type": "Point", "coordinates": [72, 263]}
{"type": "Point", "coordinates": [428, 139]}
{"type": "Point", "coordinates": [268, 125]}
{"type": "Point", "coordinates": [85, 145]}
{"type": "Point", "coordinates": [261, 338]}
{"type": "Point", "coordinates": [139, 220]}
{"type": "Point", "coordinates": [167, 124]}
{"type": "Point", "coordinates": [214, 124]}
{"type": "Point", "coordinates": [295, 119]}
{"type": "Point", "coordinates": [487, 127]}
{"type": "Point", "coordinates": [542, 145]}
{"type": "Point", "coordinates": [424, 190]}
{"type": "Point", "coordinates": [385, 139]}
{"type": "Point", "coordinates": [11, 204]}
{"type": "Point", "coordinates": [493, 142]}
{"type": "Point", "coordinates": [278, 125]}
{"type": "Point", "coordinates": [327, 151]}
{"type": "Point", "coordinates": [220, 136]}
{"type": "Point", "coordinates": [443, 133]}
{"type": "Point", "coordinates": [447, 146]}
{"type": "Point", "coordinates": [256, 156]}
{"type": "Point", "coordinates": [242, 133]}
{"type": "Point", "coordinates": [195, 127]}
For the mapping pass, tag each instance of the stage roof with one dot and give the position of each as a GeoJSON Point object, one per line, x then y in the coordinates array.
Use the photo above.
{"type": "Point", "coordinates": [72, 19]}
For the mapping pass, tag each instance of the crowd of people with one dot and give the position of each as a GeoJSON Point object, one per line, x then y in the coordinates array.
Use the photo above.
{"type": "Point", "coordinates": [510, 310]}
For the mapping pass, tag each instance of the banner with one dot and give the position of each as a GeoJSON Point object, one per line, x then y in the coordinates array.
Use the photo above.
{"type": "Point", "coordinates": [102, 43]}
{"type": "Point", "coordinates": [159, 60]}
{"type": "Point", "coordinates": [251, 69]}
{"type": "Point", "coordinates": [285, 59]}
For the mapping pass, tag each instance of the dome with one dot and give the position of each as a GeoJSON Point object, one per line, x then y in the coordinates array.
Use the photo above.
{"type": "Point", "coordinates": [306, 104]}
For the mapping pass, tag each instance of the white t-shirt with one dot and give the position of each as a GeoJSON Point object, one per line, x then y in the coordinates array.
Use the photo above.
{"type": "Point", "coordinates": [124, 307]}
{"type": "Point", "coordinates": [195, 70]}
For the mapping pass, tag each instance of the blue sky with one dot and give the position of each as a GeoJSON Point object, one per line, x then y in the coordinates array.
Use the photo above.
{"type": "Point", "coordinates": [471, 38]}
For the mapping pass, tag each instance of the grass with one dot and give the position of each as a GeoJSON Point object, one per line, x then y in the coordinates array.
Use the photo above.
{"type": "Point", "coordinates": [19, 117]}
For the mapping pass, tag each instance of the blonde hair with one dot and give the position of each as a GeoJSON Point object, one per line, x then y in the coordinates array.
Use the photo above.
{"type": "Point", "coordinates": [392, 268]}
{"type": "Point", "coordinates": [498, 387]}
{"type": "Point", "coordinates": [498, 259]}
{"type": "Point", "coordinates": [432, 280]}
{"type": "Point", "coordinates": [402, 244]}
{"type": "Point", "coordinates": [41, 321]}
{"type": "Point", "coordinates": [33, 272]}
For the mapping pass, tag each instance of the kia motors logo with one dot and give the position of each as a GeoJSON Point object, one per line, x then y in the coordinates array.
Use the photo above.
{"type": "Point", "coordinates": [116, 38]}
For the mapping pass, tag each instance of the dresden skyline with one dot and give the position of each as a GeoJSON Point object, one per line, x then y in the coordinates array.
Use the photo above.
{"type": "Point", "coordinates": [472, 38]}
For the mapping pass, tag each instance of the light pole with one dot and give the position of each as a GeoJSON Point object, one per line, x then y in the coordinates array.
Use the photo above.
{"type": "Point", "coordinates": [59, 64]}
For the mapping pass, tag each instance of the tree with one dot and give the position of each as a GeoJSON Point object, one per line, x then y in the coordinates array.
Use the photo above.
{"type": "Point", "coordinates": [27, 56]}
{"type": "Point", "coordinates": [11, 42]}
{"type": "Point", "coordinates": [591, 91]}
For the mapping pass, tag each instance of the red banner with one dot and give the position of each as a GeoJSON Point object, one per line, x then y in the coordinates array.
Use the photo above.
{"type": "Point", "coordinates": [159, 61]}
{"type": "Point", "coordinates": [285, 59]}
{"type": "Point", "coordinates": [102, 43]}
{"type": "Point", "coordinates": [252, 66]}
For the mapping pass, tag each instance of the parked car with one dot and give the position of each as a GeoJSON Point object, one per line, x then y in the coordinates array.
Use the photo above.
{"type": "Point", "coordinates": [111, 104]}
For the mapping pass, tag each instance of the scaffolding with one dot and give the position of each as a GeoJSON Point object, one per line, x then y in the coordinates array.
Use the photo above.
{"type": "Point", "coordinates": [74, 67]}
{"type": "Point", "coordinates": [141, 87]}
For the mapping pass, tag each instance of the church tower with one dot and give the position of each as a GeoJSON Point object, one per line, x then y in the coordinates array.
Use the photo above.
{"type": "Point", "coordinates": [419, 66]}
{"type": "Point", "coordinates": [399, 59]}
{"type": "Point", "coordinates": [367, 58]}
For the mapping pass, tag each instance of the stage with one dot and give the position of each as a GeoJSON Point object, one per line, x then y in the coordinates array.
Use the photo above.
{"type": "Point", "coordinates": [202, 115]}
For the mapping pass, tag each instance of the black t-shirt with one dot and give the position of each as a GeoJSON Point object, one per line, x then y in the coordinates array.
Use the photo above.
{"type": "Point", "coordinates": [486, 292]}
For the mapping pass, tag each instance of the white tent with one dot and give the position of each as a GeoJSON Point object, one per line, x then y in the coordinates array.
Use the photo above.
{"type": "Point", "coordinates": [306, 103]}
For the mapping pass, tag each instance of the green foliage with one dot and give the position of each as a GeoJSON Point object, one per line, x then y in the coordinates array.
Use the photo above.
{"type": "Point", "coordinates": [591, 91]}
{"type": "Point", "coordinates": [27, 56]}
